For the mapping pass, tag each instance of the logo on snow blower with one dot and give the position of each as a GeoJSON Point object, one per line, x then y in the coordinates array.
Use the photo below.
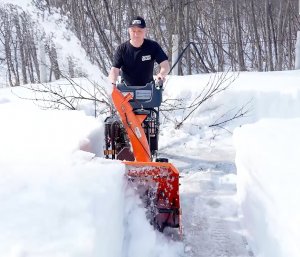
{"type": "Point", "coordinates": [138, 132]}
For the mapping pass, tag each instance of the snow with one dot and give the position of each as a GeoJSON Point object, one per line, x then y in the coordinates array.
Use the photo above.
{"type": "Point", "coordinates": [59, 197]}
{"type": "Point", "coordinates": [58, 200]}
{"type": "Point", "coordinates": [267, 150]}
{"type": "Point", "coordinates": [53, 27]}
{"type": "Point", "coordinates": [267, 160]}
{"type": "Point", "coordinates": [24, 4]}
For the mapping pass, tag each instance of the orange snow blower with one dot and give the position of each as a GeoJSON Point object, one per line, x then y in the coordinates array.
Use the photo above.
{"type": "Point", "coordinates": [131, 135]}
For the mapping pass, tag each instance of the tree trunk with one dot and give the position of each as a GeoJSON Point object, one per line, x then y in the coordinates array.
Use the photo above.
{"type": "Point", "coordinates": [22, 49]}
{"type": "Point", "coordinates": [238, 35]}
{"type": "Point", "coordinates": [256, 36]}
{"type": "Point", "coordinates": [269, 35]}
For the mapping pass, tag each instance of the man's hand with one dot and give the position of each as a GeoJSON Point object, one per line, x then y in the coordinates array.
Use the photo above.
{"type": "Point", "coordinates": [161, 76]}
{"type": "Point", "coordinates": [113, 75]}
{"type": "Point", "coordinates": [164, 70]}
{"type": "Point", "coordinates": [159, 83]}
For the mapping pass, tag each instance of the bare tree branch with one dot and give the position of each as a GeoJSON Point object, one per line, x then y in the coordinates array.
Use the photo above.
{"type": "Point", "coordinates": [224, 119]}
{"type": "Point", "coordinates": [69, 96]}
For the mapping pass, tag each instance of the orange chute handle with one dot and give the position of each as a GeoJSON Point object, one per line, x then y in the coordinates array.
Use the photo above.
{"type": "Point", "coordinates": [133, 125]}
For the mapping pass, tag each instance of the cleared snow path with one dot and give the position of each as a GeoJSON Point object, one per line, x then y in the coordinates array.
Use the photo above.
{"type": "Point", "coordinates": [210, 219]}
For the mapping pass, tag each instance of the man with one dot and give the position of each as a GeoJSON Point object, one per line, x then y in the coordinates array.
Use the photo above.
{"type": "Point", "coordinates": [136, 57]}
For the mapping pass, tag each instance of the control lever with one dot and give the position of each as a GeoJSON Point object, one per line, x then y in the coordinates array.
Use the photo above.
{"type": "Point", "coordinates": [159, 83]}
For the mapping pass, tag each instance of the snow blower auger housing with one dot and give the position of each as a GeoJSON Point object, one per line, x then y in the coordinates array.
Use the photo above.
{"type": "Point", "coordinates": [131, 135]}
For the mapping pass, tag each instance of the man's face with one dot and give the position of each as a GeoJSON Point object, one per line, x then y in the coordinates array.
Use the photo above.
{"type": "Point", "coordinates": [137, 33]}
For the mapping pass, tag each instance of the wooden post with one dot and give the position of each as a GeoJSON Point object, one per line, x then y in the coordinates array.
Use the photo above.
{"type": "Point", "coordinates": [42, 60]}
{"type": "Point", "coordinates": [175, 47]}
{"type": "Point", "coordinates": [297, 50]}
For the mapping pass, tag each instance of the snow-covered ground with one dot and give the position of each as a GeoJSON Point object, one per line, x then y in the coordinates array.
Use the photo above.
{"type": "Point", "coordinates": [58, 200]}
{"type": "Point", "coordinates": [238, 193]}
{"type": "Point", "coordinates": [266, 160]}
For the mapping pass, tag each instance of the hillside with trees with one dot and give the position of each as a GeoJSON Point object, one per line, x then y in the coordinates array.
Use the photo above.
{"type": "Point", "coordinates": [237, 35]}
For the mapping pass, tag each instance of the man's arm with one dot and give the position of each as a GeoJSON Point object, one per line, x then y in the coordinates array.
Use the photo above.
{"type": "Point", "coordinates": [113, 75]}
{"type": "Point", "coordinates": [164, 70]}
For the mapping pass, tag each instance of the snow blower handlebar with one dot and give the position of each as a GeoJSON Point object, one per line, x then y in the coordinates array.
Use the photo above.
{"type": "Point", "coordinates": [159, 83]}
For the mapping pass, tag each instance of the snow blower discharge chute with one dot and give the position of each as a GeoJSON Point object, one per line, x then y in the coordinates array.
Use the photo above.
{"type": "Point", "coordinates": [131, 135]}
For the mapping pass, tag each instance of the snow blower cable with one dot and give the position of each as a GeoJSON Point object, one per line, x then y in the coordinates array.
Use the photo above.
{"type": "Point", "coordinates": [181, 55]}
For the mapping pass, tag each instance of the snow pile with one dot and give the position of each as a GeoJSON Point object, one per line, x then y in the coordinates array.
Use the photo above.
{"type": "Point", "coordinates": [267, 151]}
{"type": "Point", "coordinates": [270, 94]}
{"type": "Point", "coordinates": [262, 94]}
{"type": "Point", "coordinates": [265, 94]}
{"type": "Point", "coordinates": [57, 200]}
{"type": "Point", "coordinates": [267, 161]}
{"type": "Point", "coordinates": [54, 198]}
{"type": "Point", "coordinates": [60, 208]}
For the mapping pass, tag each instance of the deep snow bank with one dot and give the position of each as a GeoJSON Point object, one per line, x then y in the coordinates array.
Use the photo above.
{"type": "Point", "coordinates": [264, 94]}
{"type": "Point", "coordinates": [267, 160]}
{"type": "Point", "coordinates": [270, 94]}
{"type": "Point", "coordinates": [57, 200]}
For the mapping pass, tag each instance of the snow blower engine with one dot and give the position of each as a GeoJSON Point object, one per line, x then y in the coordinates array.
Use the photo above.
{"type": "Point", "coordinates": [131, 135]}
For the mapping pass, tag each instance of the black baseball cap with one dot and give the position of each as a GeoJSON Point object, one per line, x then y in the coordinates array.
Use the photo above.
{"type": "Point", "coordinates": [137, 21]}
